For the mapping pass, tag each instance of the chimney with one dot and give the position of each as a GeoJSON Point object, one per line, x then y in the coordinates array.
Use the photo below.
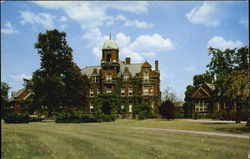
{"type": "Point", "coordinates": [127, 60]}
{"type": "Point", "coordinates": [156, 66]}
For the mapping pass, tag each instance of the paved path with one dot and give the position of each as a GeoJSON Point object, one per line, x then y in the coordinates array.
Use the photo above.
{"type": "Point", "coordinates": [183, 131]}
{"type": "Point", "coordinates": [212, 121]}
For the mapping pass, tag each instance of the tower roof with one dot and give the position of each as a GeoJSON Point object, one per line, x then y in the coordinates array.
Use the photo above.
{"type": "Point", "coordinates": [110, 44]}
{"type": "Point", "coordinates": [146, 64]}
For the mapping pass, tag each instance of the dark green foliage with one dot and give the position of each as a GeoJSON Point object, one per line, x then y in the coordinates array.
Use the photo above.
{"type": "Point", "coordinates": [201, 79]}
{"type": "Point", "coordinates": [104, 117]}
{"type": "Point", "coordinates": [35, 119]}
{"type": "Point", "coordinates": [231, 115]}
{"type": "Point", "coordinates": [4, 98]}
{"type": "Point", "coordinates": [16, 118]}
{"type": "Point", "coordinates": [107, 104]}
{"type": "Point", "coordinates": [225, 115]}
{"type": "Point", "coordinates": [142, 111]}
{"type": "Point", "coordinates": [179, 112]}
{"type": "Point", "coordinates": [167, 110]}
{"type": "Point", "coordinates": [68, 118]}
{"type": "Point", "coordinates": [58, 85]}
{"type": "Point", "coordinates": [86, 118]}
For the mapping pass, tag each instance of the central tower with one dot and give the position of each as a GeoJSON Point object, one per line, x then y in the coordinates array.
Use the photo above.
{"type": "Point", "coordinates": [110, 65]}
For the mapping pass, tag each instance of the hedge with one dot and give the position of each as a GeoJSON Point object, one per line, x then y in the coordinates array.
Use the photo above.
{"type": "Point", "coordinates": [86, 118]}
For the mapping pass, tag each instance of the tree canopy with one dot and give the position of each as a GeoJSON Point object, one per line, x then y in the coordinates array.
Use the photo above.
{"type": "Point", "coordinates": [4, 97]}
{"type": "Point", "coordinates": [58, 83]}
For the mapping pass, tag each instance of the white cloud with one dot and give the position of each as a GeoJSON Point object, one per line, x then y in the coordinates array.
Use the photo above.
{"type": "Point", "coordinates": [190, 68]}
{"type": "Point", "coordinates": [143, 46]}
{"type": "Point", "coordinates": [93, 14]}
{"type": "Point", "coordinates": [19, 78]}
{"type": "Point", "coordinates": [45, 19]}
{"type": "Point", "coordinates": [63, 19]}
{"type": "Point", "coordinates": [205, 14]}
{"type": "Point", "coordinates": [155, 43]}
{"type": "Point", "coordinates": [8, 29]}
{"type": "Point", "coordinates": [244, 22]}
{"type": "Point", "coordinates": [221, 43]}
{"type": "Point", "coordinates": [63, 26]}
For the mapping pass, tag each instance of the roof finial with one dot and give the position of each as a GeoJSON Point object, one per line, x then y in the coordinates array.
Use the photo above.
{"type": "Point", "coordinates": [109, 36]}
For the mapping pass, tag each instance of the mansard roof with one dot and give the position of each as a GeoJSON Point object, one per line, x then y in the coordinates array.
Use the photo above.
{"type": "Point", "coordinates": [133, 68]}
{"type": "Point", "coordinates": [88, 70]}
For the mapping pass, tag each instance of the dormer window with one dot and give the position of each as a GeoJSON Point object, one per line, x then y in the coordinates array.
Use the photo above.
{"type": "Point", "coordinates": [94, 78]}
{"type": "Point", "coordinates": [125, 77]}
{"type": "Point", "coordinates": [109, 77]}
{"type": "Point", "coordinates": [146, 76]}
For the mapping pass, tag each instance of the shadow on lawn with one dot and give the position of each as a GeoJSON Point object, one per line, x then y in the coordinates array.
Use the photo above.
{"type": "Point", "coordinates": [240, 130]}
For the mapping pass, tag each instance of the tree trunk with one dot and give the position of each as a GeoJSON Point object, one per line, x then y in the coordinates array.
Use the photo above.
{"type": "Point", "coordinates": [238, 113]}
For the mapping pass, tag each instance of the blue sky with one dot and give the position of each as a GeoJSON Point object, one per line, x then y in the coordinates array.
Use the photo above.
{"type": "Point", "coordinates": [175, 33]}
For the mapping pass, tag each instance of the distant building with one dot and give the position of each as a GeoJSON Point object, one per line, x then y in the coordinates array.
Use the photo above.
{"type": "Point", "coordinates": [16, 98]}
{"type": "Point", "coordinates": [205, 100]}
{"type": "Point", "coordinates": [129, 80]}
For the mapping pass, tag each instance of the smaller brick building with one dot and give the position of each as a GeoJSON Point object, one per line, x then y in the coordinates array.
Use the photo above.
{"type": "Point", "coordinates": [16, 98]}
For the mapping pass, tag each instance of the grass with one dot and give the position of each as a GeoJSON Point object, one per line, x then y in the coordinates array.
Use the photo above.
{"type": "Point", "coordinates": [182, 124]}
{"type": "Point", "coordinates": [92, 141]}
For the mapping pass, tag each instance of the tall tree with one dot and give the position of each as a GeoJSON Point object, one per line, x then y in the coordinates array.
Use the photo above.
{"type": "Point", "coordinates": [231, 69]}
{"type": "Point", "coordinates": [58, 84]}
{"type": "Point", "coordinates": [201, 79]}
{"type": "Point", "coordinates": [4, 98]}
{"type": "Point", "coordinates": [170, 95]}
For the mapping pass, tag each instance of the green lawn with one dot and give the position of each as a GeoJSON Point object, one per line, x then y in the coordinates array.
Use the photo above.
{"type": "Point", "coordinates": [183, 124]}
{"type": "Point", "coordinates": [72, 141]}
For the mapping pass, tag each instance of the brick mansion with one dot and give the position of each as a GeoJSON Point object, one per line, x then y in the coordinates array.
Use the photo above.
{"type": "Point", "coordinates": [129, 80]}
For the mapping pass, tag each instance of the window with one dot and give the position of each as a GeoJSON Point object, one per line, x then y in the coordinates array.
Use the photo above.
{"type": "Point", "coordinates": [130, 91]}
{"type": "Point", "coordinates": [125, 77]}
{"type": "Point", "coordinates": [91, 93]}
{"type": "Point", "coordinates": [91, 107]}
{"type": "Point", "coordinates": [130, 108]}
{"type": "Point", "coordinates": [108, 90]}
{"type": "Point", "coordinates": [146, 76]}
{"type": "Point", "coordinates": [98, 91]}
{"type": "Point", "coordinates": [151, 90]}
{"type": "Point", "coordinates": [94, 78]}
{"type": "Point", "coordinates": [122, 91]}
{"type": "Point", "coordinates": [109, 77]}
{"type": "Point", "coordinates": [108, 57]}
{"type": "Point", "coordinates": [145, 90]}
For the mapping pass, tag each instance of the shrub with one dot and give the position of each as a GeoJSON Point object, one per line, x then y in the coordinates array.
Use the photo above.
{"type": "Point", "coordinates": [67, 118]}
{"type": "Point", "coordinates": [16, 118]}
{"type": "Point", "coordinates": [142, 111]}
{"type": "Point", "coordinates": [35, 119]}
{"type": "Point", "coordinates": [167, 110]}
{"type": "Point", "coordinates": [104, 118]}
{"type": "Point", "coordinates": [86, 118]}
